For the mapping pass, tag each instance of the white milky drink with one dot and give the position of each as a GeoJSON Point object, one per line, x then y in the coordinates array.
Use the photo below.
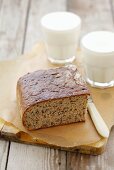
{"type": "Point", "coordinates": [98, 56]}
{"type": "Point", "coordinates": [61, 33]}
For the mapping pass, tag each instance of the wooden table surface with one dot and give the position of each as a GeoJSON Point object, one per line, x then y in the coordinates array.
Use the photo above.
{"type": "Point", "coordinates": [19, 31]}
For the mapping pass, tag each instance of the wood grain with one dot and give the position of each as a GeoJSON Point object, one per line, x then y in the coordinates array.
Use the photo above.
{"type": "Point", "coordinates": [112, 9]}
{"type": "Point", "coordinates": [87, 162]}
{"type": "Point", "coordinates": [12, 27]}
{"type": "Point", "coordinates": [96, 15]}
{"type": "Point", "coordinates": [3, 154]}
{"type": "Point", "coordinates": [32, 157]}
{"type": "Point", "coordinates": [38, 158]}
{"type": "Point", "coordinates": [11, 23]}
{"type": "Point", "coordinates": [37, 10]}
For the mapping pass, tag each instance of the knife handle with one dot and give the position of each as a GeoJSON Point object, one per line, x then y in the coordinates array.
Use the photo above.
{"type": "Point", "coordinates": [98, 120]}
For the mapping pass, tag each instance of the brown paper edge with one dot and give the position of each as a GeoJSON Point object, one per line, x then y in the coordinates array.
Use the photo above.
{"type": "Point", "coordinates": [10, 132]}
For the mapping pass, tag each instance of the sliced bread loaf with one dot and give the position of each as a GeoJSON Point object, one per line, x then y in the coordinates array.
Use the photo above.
{"type": "Point", "coordinates": [52, 97]}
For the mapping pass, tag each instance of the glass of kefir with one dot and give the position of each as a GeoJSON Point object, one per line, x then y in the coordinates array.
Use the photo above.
{"type": "Point", "coordinates": [61, 32]}
{"type": "Point", "coordinates": [98, 58]}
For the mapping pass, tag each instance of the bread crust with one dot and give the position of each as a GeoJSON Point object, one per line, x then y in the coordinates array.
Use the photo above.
{"type": "Point", "coordinates": [47, 85]}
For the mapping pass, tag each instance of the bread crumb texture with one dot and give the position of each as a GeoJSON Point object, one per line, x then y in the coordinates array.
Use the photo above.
{"type": "Point", "coordinates": [52, 97]}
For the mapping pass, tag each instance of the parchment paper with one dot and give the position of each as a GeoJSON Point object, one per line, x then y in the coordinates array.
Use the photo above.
{"type": "Point", "coordinates": [65, 136]}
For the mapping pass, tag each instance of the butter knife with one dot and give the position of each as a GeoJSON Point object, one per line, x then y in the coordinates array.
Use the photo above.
{"type": "Point", "coordinates": [98, 121]}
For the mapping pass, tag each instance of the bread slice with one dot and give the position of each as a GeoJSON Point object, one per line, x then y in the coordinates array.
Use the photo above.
{"type": "Point", "coordinates": [52, 97]}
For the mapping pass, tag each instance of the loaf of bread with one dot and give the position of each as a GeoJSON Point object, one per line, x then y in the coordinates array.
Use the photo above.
{"type": "Point", "coordinates": [52, 97]}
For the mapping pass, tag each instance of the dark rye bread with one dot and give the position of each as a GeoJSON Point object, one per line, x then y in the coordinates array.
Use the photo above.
{"type": "Point", "coordinates": [52, 97]}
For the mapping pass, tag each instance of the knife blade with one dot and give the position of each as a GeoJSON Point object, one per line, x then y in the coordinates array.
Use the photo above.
{"type": "Point", "coordinates": [97, 119]}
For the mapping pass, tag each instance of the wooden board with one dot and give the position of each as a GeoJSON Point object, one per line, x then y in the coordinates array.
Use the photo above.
{"type": "Point", "coordinates": [31, 157]}
{"type": "Point", "coordinates": [24, 155]}
{"type": "Point", "coordinates": [11, 41]}
{"type": "Point", "coordinates": [8, 132]}
{"type": "Point", "coordinates": [36, 158]}
{"type": "Point", "coordinates": [96, 15]}
{"type": "Point", "coordinates": [92, 13]}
